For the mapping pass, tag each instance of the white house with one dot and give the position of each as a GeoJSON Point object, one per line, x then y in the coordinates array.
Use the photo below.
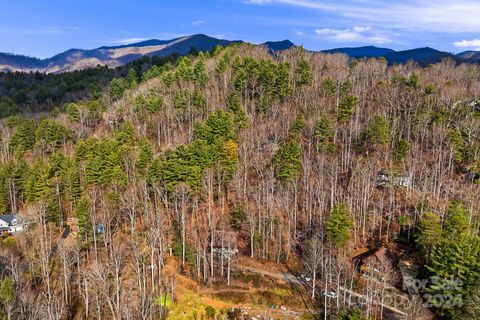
{"type": "Point", "coordinates": [403, 180]}
{"type": "Point", "coordinates": [10, 223]}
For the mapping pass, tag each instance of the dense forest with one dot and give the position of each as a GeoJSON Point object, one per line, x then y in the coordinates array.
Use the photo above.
{"type": "Point", "coordinates": [181, 180]}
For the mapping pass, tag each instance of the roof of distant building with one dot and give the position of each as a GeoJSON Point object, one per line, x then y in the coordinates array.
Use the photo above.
{"type": "Point", "coordinates": [9, 218]}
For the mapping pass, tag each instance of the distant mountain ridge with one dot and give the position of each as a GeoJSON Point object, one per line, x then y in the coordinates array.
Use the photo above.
{"type": "Point", "coordinates": [75, 59]}
{"type": "Point", "coordinates": [467, 54]}
{"type": "Point", "coordinates": [279, 45]}
{"type": "Point", "coordinates": [361, 52]}
{"type": "Point", "coordinates": [423, 56]}
{"type": "Point", "coordinates": [114, 56]}
{"type": "Point", "coordinates": [471, 56]}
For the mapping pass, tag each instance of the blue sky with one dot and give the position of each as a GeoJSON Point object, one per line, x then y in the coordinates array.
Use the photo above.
{"type": "Point", "coordinates": [44, 28]}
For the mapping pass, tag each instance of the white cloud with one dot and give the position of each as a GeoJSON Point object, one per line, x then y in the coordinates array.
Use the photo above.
{"type": "Point", "coordinates": [198, 22]}
{"type": "Point", "coordinates": [360, 34]}
{"type": "Point", "coordinates": [348, 36]}
{"type": "Point", "coordinates": [130, 40]}
{"type": "Point", "coordinates": [170, 35]}
{"type": "Point", "coordinates": [424, 15]}
{"type": "Point", "coordinates": [470, 44]}
{"type": "Point", "coordinates": [327, 31]}
{"type": "Point", "coordinates": [124, 41]}
{"type": "Point", "coordinates": [361, 29]}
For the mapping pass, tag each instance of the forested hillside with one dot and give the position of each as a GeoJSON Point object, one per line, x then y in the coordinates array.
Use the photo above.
{"type": "Point", "coordinates": [34, 92]}
{"type": "Point", "coordinates": [183, 181]}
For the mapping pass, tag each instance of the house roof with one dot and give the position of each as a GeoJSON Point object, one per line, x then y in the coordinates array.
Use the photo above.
{"type": "Point", "coordinates": [381, 255]}
{"type": "Point", "coordinates": [377, 254]}
{"type": "Point", "coordinates": [8, 218]}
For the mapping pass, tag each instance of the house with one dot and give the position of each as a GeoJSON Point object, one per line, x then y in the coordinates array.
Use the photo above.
{"type": "Point", "coordinates": [10, 223]}
{"type": "Point", "coordinates": [383, 178]}
{"type": "Point", "coordinates": [376, 260]}
{"type": "Point", "coordinates": [399, 179]}
{"type": "Point", "coordinates": [403, 180]}
{"type": "Point", "coordinates": [371, 260]}
{"type": "Point", "coordinates": [475, 104]}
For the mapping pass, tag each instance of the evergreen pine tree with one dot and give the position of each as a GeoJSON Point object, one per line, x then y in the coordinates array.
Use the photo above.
{"type": "Point", "coordinates": [234, 105]}
{"type": "Point", "coordinates": [346, 108]}
{"type": "Point", "coordinates": [455, 268]}
{"type": "Point", "coordinates": [83, 216]}
{"type": "Point", "coordinates": [7, 296]}
{"type": "Point", "coordinates": [429, 232]}
{"type": "Point", "coordinates": [199, 73]}
{"type": "Point", "coordinates": [378, 132]}
{"type": "Point", "coordinates": [323, 133]}
{"type": "Point", "coordinates": [400, 151]}
{"type": "Point", "coordinates": [287, 161]}
{"type": "Point", "coordinates": [304, 73]}
{"type": "Point", "coordinates": [131, 79]}
{"type": "Point", "coordinates": [456, 221]}
{"type": "Point", "coordinates": [118, 87]}
{"type": "Point", "coordinates": [145, 156]}
{"type": "Point", "coordinates": [339, 224]}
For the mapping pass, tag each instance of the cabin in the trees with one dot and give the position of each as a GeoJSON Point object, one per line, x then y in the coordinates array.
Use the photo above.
{"type": "Point", "coordinates": [225, 243]}
{"type": "Point", "coordinates": [399, 179]}
{"type": "Point", "coordinates": [10, 224]}
{"type": "Point", "coordinates": [403, 180]}
{"type": "Point", "coordinates": [475, 104]}
{"type": "Point", "coordinates": [372, 260]}
{"type": "Point", "coordinates": [375, 260]}
{"type": "Point", "coordinates": [383, 178]}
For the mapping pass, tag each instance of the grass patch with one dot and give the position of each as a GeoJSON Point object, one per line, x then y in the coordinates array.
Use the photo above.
{"type": "Point", "coordinates": [274, 296]}
{"type": "Point", "coordinates": [283, 293]}
{"type": "Point", "coordinates": [234, 297]}
{"type": "Point", "coordinates": [189, 306]}
{"type": "Point", "coordinates": [255, 279]}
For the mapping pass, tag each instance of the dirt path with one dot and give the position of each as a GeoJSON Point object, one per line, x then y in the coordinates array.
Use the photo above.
{"type": "Point", "coordinates": [213, 297]}
{"type": "Point", "coordinates": [292, 279]}
{"type": "Point", "coordinates": [276, 275]}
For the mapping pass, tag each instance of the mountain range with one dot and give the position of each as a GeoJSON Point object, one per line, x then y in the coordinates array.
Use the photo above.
{"type": "Point", "coordinates": [423, 56]}
{"type": "Point", "coordinates": [113, 56]}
